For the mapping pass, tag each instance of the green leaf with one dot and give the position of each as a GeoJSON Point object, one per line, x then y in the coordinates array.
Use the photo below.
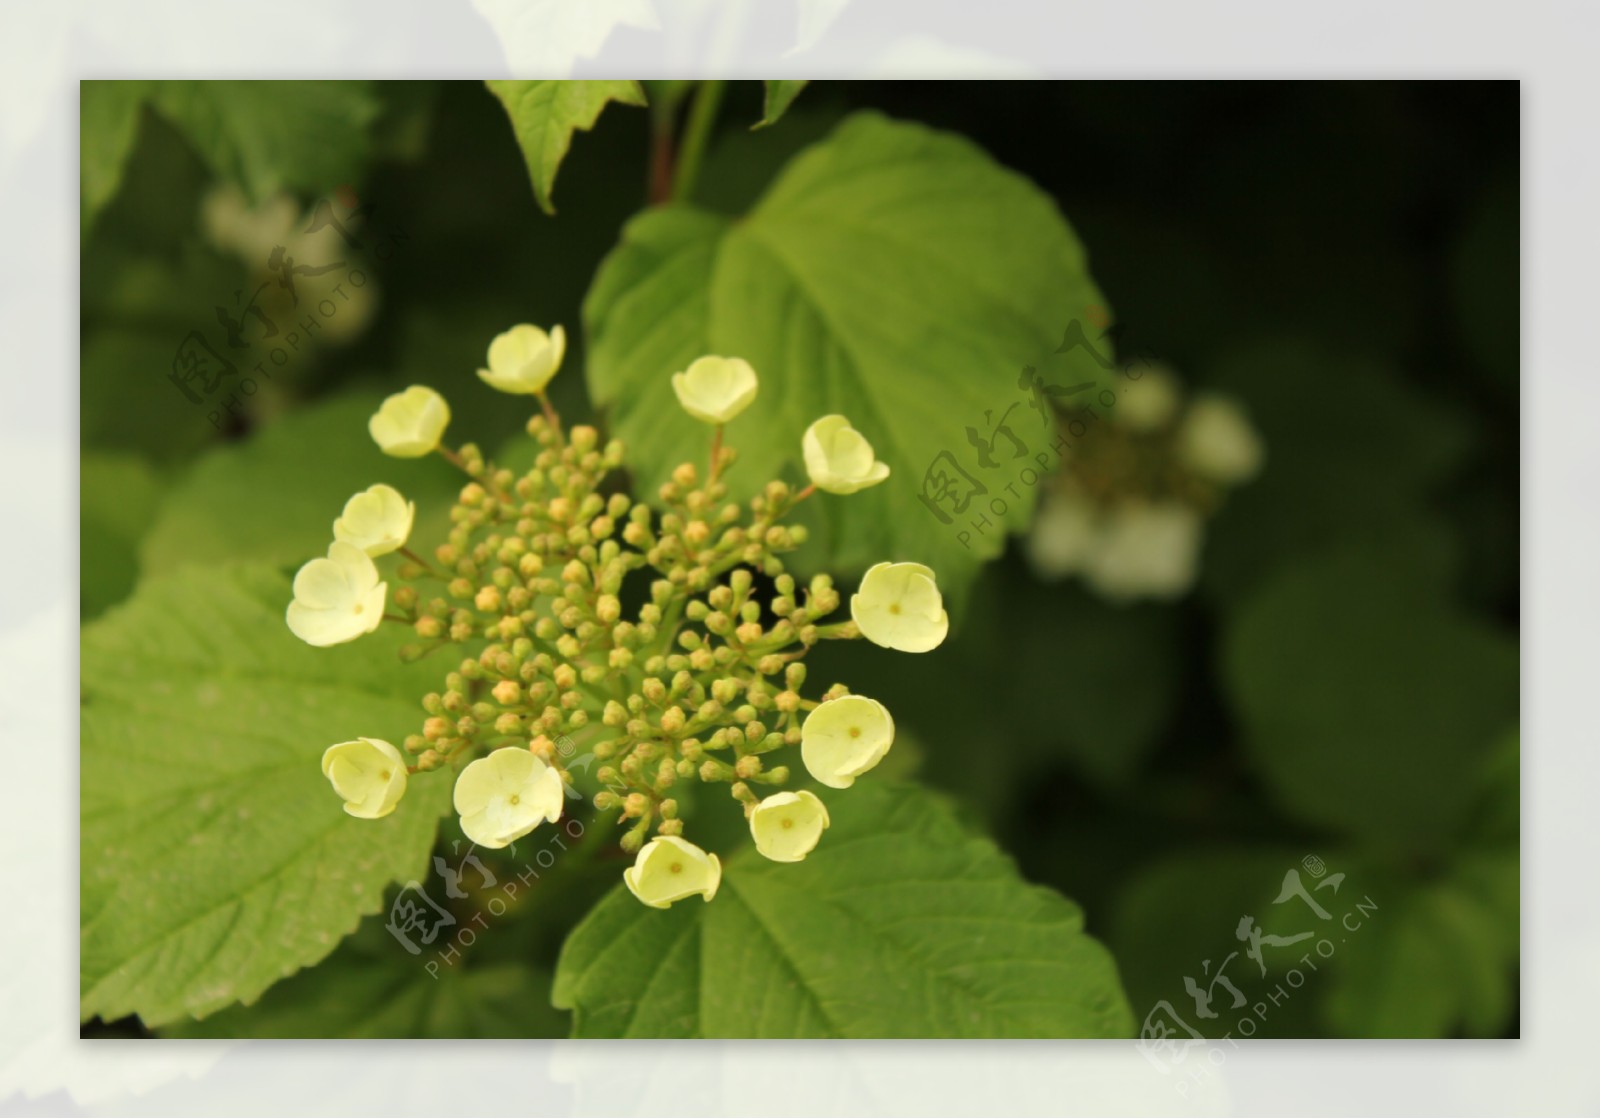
{"type": "Point", "coordinates": [108, 123]}
{"type": "Point", "coordinates": [309, 136]}
{"type": "Point", "coordinates": [893, 274]}
{"type": "Point", "coordinates": [274, 498]}
{"type": "Point", "coordinates": [371, 987]}
{"type": "Point", "coordinates": [1177, 919]}
{"type": "Point", "coordinates": [1359, 465]}
{"type": "Point", "coordinates": [215, 857]}
{"type": "Point", "coordinates": [901, 924]}
{"type": "Point", "coordinates": [544, 114]}
{"type": "Point", "coordinates": [1368, 704]}
{"type": "Point", "coordinates": [1441, 961]}
{"type": "Point", "coordinates": [779, 96]}
{"type": "Point", "coordinates": [117, 496]}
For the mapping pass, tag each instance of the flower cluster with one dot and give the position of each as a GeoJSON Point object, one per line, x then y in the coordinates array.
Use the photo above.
{"type": "Point", "coordinates": [1128, 510]}
{"type": "Point", "coordinates": [668, 636]}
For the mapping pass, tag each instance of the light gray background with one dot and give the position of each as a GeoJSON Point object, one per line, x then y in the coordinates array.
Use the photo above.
{"type": "Point", "coordinates": [46, 47]}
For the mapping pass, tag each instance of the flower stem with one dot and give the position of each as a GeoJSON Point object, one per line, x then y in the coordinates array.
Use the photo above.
{"type": "Point", "coordinates": [420, 562]}
{"type": "Point", "coordinates": [716, 453]}
{"type": "Point", "coordinates": [696, 133]}
{"type": "Point", "coordinates": [551, 416]}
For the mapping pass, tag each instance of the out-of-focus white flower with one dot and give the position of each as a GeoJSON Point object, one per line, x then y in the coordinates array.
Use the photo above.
{"type": "Point", "coordinates": [524, 358]}
{"type": "Point", "coordinates": [1064, 534]}
{"type": "Point", "coordinates": [715, 389]}
{"type": "Point", "coordinates": [1146, 550]}
{"type": "Point", "coordinates": [838, 457]}
{"type": "Point", "coordinates": [1150, 401]}
{"type": "Point", "coordinates": [1217, 441]}
{"type": "Point", "coordinates": [669, 869]}
{"type": "Point", "coordinates": [899, 607]}
{"type": "Point", "coordinates": [337, 598]}
{"type": "Point", "coordinates": [377, 520]}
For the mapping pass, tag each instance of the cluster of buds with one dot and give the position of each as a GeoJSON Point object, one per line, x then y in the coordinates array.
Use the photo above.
{"type": "Point", "coordinates": [669, 636]}
{"type": "Point", "coordinates": [1127, 511]}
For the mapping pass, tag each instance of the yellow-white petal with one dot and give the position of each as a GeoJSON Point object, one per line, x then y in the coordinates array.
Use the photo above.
{"type": "Point", "coordinates": [410, 424]}
{"type": "Point", "coordinates": [1146, 551]}
{"type": "Point", "coordinates": [899, 607]}
{"type": "Point", "coordinates": [715, 389]}
{"type": "Point", "coordinates": [670, 868]}
{"type": "Point", "coordinates": [336, 599]}
{"type": "Point", "coordinates": [368, 773]}
{"type": "Point", "coordinates": [1064, 534]}
{"type": "Point", "coordinates": [504, 796]}
{"type": "Point", "coordinates": [1218, 442]}
{"type": "Point", "coordinates": [843, 738]}
{"type": "Point", "coordinates": [838, 457]}
{"type": "Point", "coordinates": [1148, 402]}
{"type": "Point", "coordinates": [524, 358]}
{"type": "Point", "coordinates": [787, 826]}
{"type": "Point", "coordinates": [377, 520]}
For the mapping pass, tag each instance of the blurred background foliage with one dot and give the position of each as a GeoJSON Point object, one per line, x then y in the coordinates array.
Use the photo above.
{"type": "Point", "coordinates": [1343, 682]}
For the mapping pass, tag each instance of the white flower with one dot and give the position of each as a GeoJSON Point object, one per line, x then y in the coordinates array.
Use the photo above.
{"type": "Point", "coordinates": [338, 598]}
{"type": "Point", "coordinates": [1217, 442]}
{"type": "Point", "coordinates": [409, 424]}
{"type": "Point", "coordinates": [843, 738]}
{"type": "Point", "coordinates": [368, 773]}
{"type": "Point", "coordinates": [504, 796]}
{"type": "Point", "coordinates": [786, 826]}
{"type": "Point", "coordinates": [1146, 550]}
{"type": "Point", "coordinates": [524, 358]}
{"type": "Point", "coordinates": [1148, 402]}
{"type": "Point", "coordinates": [1064, 534]}
{"type": "Point", "coordinates": [899, 607]}
{"type": "Point", "coordinates": [377, 520]}
{"type": "Point", "coordinates": [715, 389]}
{"type": "Point", "coordinates": [670, 869]}
{"type": "Point", "coordinates": [839, 458]}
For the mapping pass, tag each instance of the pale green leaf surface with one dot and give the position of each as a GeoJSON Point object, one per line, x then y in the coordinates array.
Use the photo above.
{"type": "Point", "coordinates": [216, 859]}
{"type": "Point", "coordinates": [544, 115]}
{"type": "Point", "coordinates": [902, 924]}
{"type": "Point", "coordinates": [893, 274]}
{"type": "Point", "coordinates": [274, 497]}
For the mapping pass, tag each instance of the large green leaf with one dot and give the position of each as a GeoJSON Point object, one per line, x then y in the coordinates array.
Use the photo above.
{"type": "Point", "coordinates": [1440, 959]}
{"type": "Point", "coordinates": [902, 924]}
{"type": "Point", "coordinates": [371, 987]}
{"type": "Point", "coordinates": [310, 136]}
{"type": "Point", "coordinates": [274, 498]}
{"type": "Point", "coordinates": [215, 858]}
{"type": "Point", "coordinates": [117, 496]}
{"type": "Point", "coordinates": [544, 115]}
{"type": "Point", "coordinates": [892, 273]}
{"type": "Point", "coordinates": [108, 124]}
{"type": "Point", "coordinates": [1369, 705]}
